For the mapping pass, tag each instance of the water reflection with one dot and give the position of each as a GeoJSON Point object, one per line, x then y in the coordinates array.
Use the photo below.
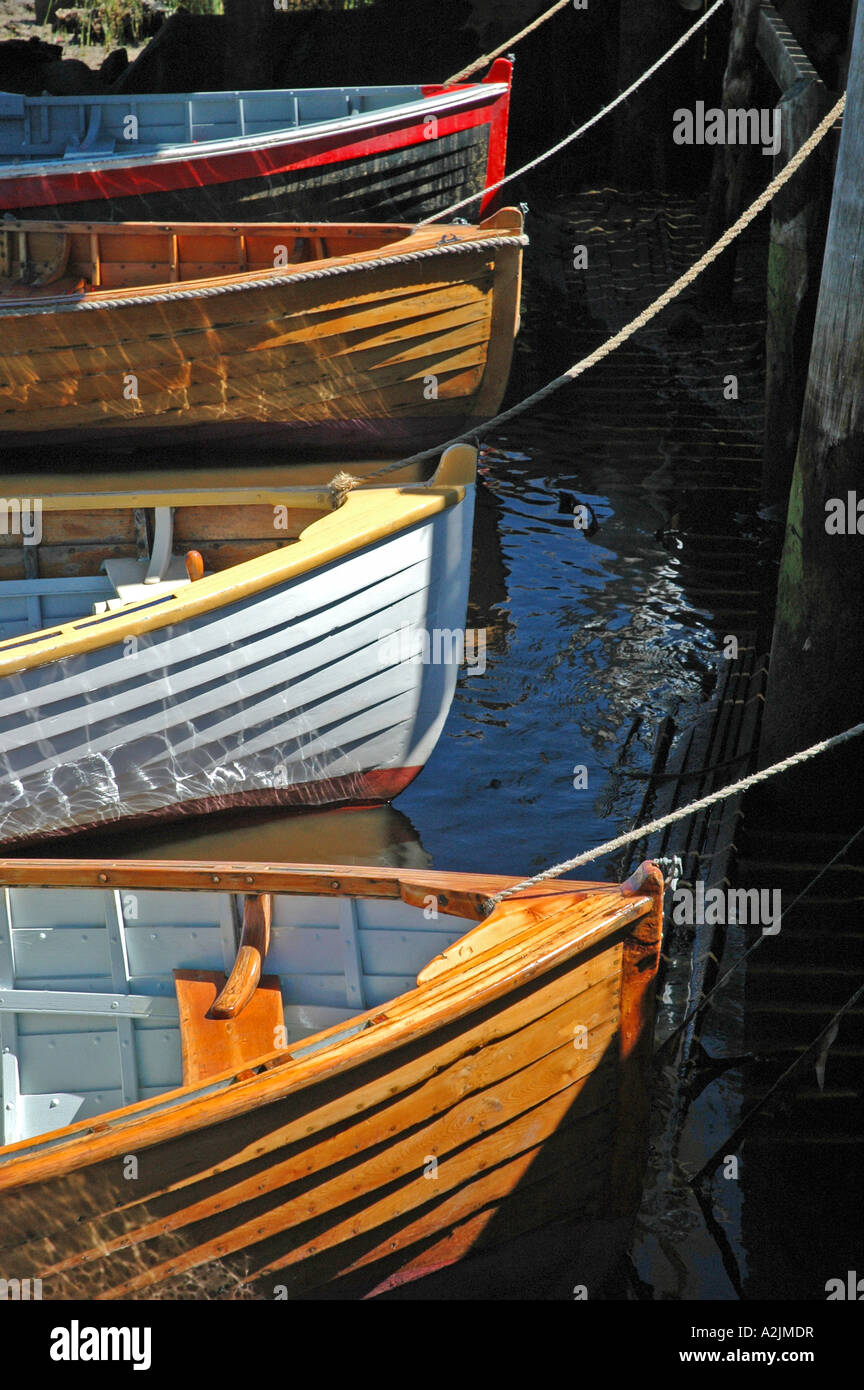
{"type": "Point", "coordinates": [590, 636]}
{"type": "Point", "coordinates": [379, 835]}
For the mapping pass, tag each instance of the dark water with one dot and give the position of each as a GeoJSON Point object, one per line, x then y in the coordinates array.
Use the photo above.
{"type": "Point", "coordinates": [591, 638]}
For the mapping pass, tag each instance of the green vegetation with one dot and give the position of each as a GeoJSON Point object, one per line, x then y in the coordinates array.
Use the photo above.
{"type": "Point", "coordinates": [115, 22]}
{"type": "Point", "coordinates": [203, 6]}
{"type": "Point", "coordinates": [121, 21]}
{"type": "Point", "coordinates": [322, 4]}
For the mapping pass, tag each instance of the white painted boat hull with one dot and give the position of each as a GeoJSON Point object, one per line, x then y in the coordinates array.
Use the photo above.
{"type": "Point", "coordinates": [294, 695]}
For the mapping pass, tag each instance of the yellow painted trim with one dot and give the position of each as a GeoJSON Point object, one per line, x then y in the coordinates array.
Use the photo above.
{"type": "Point", "coordinates": [178, 489]}
{"type": "Point", "coordinates": [136, 489]}
{"type": "Point", "coordinates": [457, 468]}
{"type": "Point", "coordinates": [367, 516]}
{"type": "Point", "coordinates": [319, 499]}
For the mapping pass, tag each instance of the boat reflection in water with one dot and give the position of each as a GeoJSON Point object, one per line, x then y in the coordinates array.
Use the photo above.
{"type": "Point", "coordinates": [378, 835]}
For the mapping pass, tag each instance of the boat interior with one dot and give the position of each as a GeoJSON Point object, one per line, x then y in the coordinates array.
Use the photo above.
{"type": "Point", "coordinates": [120, 550]}
{"type": "Point", "coordinates": [44, 127]}
{"type": "Point", "coordinates": [73, 546]}
{"type": "Point", "coordinates": [50, 259]}
{"type": "Point", "coordinates": [91, 1013]}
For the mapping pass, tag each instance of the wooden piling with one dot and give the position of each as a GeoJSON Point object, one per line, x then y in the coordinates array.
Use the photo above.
{"type": "Point", "coordinates": [725, 198]}
{"type": "Point", "coordinates": [799, 220]}
{"type": "Point", "coordinates": [249, 42]}
{"type": "Point", "coordinates": [816, 684]}
{"type": "Point", "coordinates": [844, 62]}
{"type": "Point", "coordinates": [642, 132]}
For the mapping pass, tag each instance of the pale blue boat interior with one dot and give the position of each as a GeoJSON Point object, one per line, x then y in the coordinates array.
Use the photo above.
{"type": "Point", "coordinates": [38, 605]}
{"type": "Point", "coordinates": [48, 128]}
{"type": "Point", "coordinates": [88, 1010]}
{"type": "Point", "coordinates": [29, 605]}
{"type": "Point", "coordinates": [34, 605]}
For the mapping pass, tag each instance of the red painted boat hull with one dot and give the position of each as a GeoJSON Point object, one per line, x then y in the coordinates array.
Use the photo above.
{"type": "Point", "coordinates": [361, 790]}
{"type": "Point", "coordinates": [395, 168]}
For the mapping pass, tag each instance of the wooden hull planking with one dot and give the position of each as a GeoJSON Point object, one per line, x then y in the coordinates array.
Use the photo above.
{"type": "Point", "coordinates": [400, 155]}
{"type": "Point", "coordinates": [505, 1091]}
{"type": "Point", "coordinates": [169, 348]}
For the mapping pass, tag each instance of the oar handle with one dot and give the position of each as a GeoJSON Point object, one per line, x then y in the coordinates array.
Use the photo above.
{"type": "Point", "coordinates": [246, 974]}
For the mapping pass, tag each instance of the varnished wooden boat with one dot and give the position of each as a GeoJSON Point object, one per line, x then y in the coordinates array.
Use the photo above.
{"type": "Point", "coordinates": [195, 647]}
{"type": "Point", "coordinates": [322, 154]}
{"type": "Point", "coordinates": [405, 1086]}
{"type": "Point", "coordinates": [352, 339]}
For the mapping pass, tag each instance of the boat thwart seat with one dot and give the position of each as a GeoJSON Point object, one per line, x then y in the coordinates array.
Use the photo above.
{"type": "Point", "coordinates": [163, 573]}
{"type": "Point", "coordinates": [208, 1005]}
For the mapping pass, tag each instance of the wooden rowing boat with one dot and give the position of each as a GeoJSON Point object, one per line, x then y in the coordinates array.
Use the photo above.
{"type": "Point", "coordinates": [369, 1096]}
{"type": "Point", "coordinates": [323, 154]}
{"type": "Point", "coordinates": [196, 648]}
{"type": "Point", "coordinates": [344, 338]}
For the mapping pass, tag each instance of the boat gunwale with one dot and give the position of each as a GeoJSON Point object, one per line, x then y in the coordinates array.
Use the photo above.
{"type": "Point", "coordinates": [183, 494]}
{"type": "Point", "coordinates": [463, 97]}
{"type": "Point", "coordinates": [262, 483]}
{"type": "Point", "coordinates": [417, 240]}
{"type": "Point", "coordinates": [252, 876]}
{"type": "Point", "coordinates": [375, 1033]}
{"type": "Point", "coordinates": [366, 517]}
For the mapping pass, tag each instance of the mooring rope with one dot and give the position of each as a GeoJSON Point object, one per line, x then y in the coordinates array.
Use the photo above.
{"type": "Point", "coordinates": [510, 43]}
{"type": "Point", "coordinates": [575, 134]}
{"type": "Point", "coordinates": [643, 831]}
{"type": "Point", "coordinates": [646, 315]}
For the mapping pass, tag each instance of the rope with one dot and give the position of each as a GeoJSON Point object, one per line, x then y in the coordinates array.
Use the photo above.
{"type": "Point", "coordinates": [488, 57]}
{"type": "Point", "coordinates": [642, 831]}
{"type": "Point", "coordinates": [341, 485]}
{"type": "Point", "coordinates": [444, 248]}
{"type": "Point", "coordinates": [645, 317]}
{"type": "Point", "coordinates": [575, 134]}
